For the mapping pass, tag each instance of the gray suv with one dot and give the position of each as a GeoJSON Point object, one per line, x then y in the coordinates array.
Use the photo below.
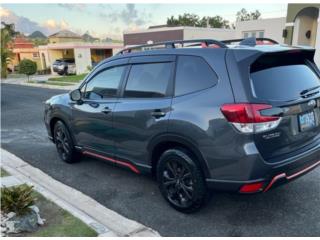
{"type": "Point", "coordinates": [238, 115]}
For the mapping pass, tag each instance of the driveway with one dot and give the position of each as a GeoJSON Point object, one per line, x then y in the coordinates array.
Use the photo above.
{"type": "Point", "coordinates": [290, 210]}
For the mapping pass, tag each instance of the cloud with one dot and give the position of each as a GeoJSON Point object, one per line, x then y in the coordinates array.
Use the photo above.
{"type": "Point", "coordinates": [22, 24]}
{"type": "Point", "coordinates": [73, 7]}
{"type": "Point", "coordinates": [27, 26]}
{"type": "Point", "coordinates": [55, 25]}
{"type": "Point", "coordinates": [127, 16]}
{"type": "Point", "coordinates": [4, 12]}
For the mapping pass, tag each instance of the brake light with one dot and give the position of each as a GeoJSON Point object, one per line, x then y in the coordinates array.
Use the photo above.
{"type": "Point", "coordinates": [247, 117]}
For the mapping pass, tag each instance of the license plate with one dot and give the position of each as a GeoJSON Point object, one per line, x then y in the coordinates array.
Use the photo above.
{"type": "Point", "coordinates": [307, 121]}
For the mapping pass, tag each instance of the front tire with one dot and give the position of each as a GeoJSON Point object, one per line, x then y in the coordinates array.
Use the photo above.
{"type": "Point", "coordinates": [64, 143]}
{"type": "Point", "coordinates": [181, 180]}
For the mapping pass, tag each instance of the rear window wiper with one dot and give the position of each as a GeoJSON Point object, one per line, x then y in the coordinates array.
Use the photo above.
{"type": "Point", "coordinates": [304, 92]}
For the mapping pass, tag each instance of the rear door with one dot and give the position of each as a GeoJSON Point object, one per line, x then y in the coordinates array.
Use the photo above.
{"type": "Point", "coordinates": [289, 82]}
{"type": "Point", "coordinates": [144, 108]}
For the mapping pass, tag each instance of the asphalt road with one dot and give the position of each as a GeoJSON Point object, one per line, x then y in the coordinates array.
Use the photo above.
{"type": "Point", "coordinates": [290, 210]}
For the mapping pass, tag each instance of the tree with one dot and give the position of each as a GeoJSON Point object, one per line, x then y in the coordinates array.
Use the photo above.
{"type": "Point", "coordinates": [194, 20]}
{"type": "Point", "coordinates": [7, 33]}
{"type": "Point", "coordinates": [187, 19]}
{"type": "Point", "coordinates": [27, 67]}
{"type": "Point", "coordinates": [218, 22]}
{"type": "Point", "coordinates": [244, 15]}
{"type": "Point", "coordinates": [40, 41]}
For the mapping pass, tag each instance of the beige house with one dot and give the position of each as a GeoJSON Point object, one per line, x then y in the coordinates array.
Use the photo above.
{"type": "Point", "coordinates": [23, 48]}
{"type": "Point", "coordinates": [303, 26]}
{"type": "Point", "coordinates": [66, 44]}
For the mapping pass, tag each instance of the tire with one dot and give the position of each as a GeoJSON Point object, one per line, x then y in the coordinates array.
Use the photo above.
{"type": "Point", "coordinates": [181, 180]}
{"type": "Point", "coordinates": [64, 143]}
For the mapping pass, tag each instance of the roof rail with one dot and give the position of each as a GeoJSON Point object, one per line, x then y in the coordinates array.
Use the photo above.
{"type": "Point", "coordinates": [252, 41]}
{"type": "Point", "coordinates": [172, 44]}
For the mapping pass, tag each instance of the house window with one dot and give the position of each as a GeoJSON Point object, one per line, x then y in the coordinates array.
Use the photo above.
{"type": "Point", "coordinates": [259, 34]}
{"type": "Point", "coordinates": [35, 55]}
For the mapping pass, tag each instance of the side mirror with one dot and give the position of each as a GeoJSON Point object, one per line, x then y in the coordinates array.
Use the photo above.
{"type": "Point", "coordinates": [75, 95]}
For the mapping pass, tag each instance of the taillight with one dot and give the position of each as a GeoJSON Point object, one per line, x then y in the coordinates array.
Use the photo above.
{"type": "Point", "coordinates": [247, 117]}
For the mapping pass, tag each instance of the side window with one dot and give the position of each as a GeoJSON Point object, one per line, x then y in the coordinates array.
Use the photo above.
{"type": "Point", "coordinates": [105, 84]}
{"type": "Point", "coordinates": [149, 80]}
{"type": "Point", "coordinates": [193, 74]}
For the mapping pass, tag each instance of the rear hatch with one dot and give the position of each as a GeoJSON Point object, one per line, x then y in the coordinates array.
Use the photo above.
{"type": "Point", "coordinates": [289, 82]}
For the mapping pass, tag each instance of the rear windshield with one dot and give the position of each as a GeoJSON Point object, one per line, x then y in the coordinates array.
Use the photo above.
{"type": "Point", "coordinates": [282, 77]}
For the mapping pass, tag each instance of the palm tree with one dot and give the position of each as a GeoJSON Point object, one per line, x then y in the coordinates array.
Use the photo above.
{"type": "Point", "coordinates": [7, 33]}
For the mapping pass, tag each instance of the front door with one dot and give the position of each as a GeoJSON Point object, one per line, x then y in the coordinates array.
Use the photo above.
{"type": "Point", "coordinates": [93, 118]}
{"type": "Point", "coordinates": [144, 108]}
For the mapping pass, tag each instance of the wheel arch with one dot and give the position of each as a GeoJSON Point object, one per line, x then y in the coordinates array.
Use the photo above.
{"type": "Point", "coordinates": [164, 142]}
{"type": "Point", "coordinates": [54, 120]}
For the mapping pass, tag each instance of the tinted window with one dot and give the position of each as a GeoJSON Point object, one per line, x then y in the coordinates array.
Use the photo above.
{"type": "Point", "coordinates": [105, 84]}
{"type": "Point", "coordinates": [148, 80]}
{"type": "Point", "coordinates": [274, 80]}
{"type": "Point", "coordinates": [193, 74]}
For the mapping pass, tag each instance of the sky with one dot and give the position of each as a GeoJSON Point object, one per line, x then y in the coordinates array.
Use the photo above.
{"type": "Point", "coordinates": [111, 20]}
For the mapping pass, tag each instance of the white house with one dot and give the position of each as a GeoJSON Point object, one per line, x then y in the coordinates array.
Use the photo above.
{"type": "Point", "coordinates": [268, 28]}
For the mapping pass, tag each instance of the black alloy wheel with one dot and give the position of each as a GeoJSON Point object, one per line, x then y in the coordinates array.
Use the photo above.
{"type": "Point", "coordinates": [64, 143]}
{"type": "Point", "coordinates": [181, 181]}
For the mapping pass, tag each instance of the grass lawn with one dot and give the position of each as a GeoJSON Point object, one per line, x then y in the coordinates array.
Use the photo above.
{"type": "Point", "coordinates": [71, 78]}
{"type": "Point", "coordinates": [59, 223]}
{"type": "Point", "coordinates": [3, 173]}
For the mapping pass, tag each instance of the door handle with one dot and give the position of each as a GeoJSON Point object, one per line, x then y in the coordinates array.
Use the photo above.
{"type": "Point", "coordinates": [106, 110]}
{"type": "Point", "coordinates": [158, 113]}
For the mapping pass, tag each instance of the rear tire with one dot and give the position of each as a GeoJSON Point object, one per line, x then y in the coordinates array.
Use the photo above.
{"type": "Point", "coordinates": [181, 180]}
{"type": "Point", "coordinates": [64, 143]}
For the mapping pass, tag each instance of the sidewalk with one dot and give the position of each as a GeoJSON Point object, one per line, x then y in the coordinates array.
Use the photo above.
{"type": "Point", "coordinates": [104, 221]}
{"type": "Point", "coordinates": [42, 85]}
{"type": "Point", "coordinates": [36, 81]}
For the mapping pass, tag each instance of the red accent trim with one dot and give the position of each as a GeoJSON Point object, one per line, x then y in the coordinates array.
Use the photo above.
{"type": "Point", "coordinates": [283, 175]}
{"type": "Point", "coordinates": [129, 165]}
{"type": "Point", "coordinates": [276, 178]}
{"type": "Point", "coordinates": [303, 171]}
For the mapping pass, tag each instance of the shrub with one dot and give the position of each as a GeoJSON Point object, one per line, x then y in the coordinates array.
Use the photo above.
{"type": "Point", "coordinates": [89, 68]}
{"type": "Point", "coordinates": [27, 67]}
{"type": "Point", "coordinates": [17, 199]}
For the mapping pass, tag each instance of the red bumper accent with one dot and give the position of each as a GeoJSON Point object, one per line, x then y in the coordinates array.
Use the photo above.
{"type": "Point", "coordinates": [289, 177]}
{"type": "Point", "coordinates": [128, 165]}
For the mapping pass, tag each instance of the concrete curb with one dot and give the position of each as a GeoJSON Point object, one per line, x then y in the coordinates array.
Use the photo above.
{"type": "Point", "coordinates": [103, 220]}
{"type": "Point", "coordinates": [39, 85]}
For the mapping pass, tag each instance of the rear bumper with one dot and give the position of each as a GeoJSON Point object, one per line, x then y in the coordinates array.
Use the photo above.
{"type": "Point", "coordinates": [285, 177]}
{"type": "Point", "coordinates": [275, 174]}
